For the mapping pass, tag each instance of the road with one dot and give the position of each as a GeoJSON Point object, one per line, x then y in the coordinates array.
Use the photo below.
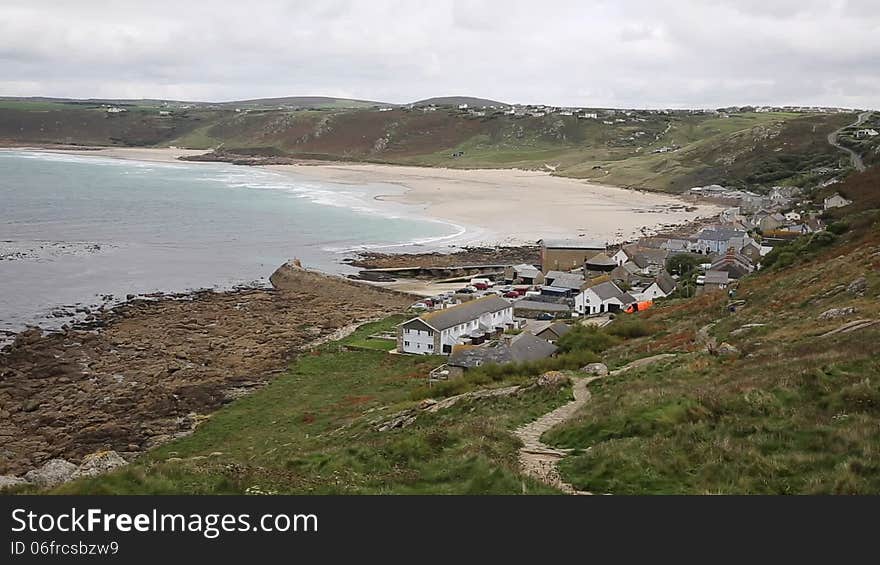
{"type": "Point", "coordinates": [854, 157]}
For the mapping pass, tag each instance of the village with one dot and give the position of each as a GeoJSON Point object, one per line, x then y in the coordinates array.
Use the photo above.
{"type": "Point", "coordinates": [515, 313]}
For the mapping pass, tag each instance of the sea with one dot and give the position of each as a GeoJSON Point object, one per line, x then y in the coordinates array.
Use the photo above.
{"type": "Point", "coordinates": [78, 231]}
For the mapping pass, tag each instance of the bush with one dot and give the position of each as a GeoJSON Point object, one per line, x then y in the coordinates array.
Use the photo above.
{"type": "Point", "coordinates": [838, 228]}
{"type": "Point", "coordinates": [582, 338]}
{"type": "Point", "coordinates": [630, 328]}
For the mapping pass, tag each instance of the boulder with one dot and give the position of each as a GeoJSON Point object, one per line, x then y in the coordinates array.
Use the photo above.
{"type": "Point", "coordinates": [596, 369]}
{"type": "Point", "coordinates": [837, 313]}
{"type": "Point", "coordinates": [858, 286]}
{"type": "Point", "coordinates": [726, 350]}
{"type": "Point", "coordinates": [7, 481]}
{"type": "Point", "coordinates": [52, 473]}
{"type": "Point", "coordinates": [98, 463]}
{"type": "Point", "coordinates": [553, 379]}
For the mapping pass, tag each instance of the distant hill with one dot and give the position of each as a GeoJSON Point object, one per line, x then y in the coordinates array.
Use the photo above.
{"type": "Point", "coordinates": [308, 102]}
{"type": "Point", "coordinates": [456, 100]}
{"type": "Point", "coordinates": [323, 102]}
{"type": "Point", "coordinates": [648, 149]}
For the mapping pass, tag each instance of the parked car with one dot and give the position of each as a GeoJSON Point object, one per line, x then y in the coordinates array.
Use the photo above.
{"type": "Point", "coordinates": [511, 294]}
{"type": "Point", "coordinates": [481, 286]}
{"type": "Point", "coordinates": [465, 290]}
{"type": "Point", "coordinates": [419, 306]}
{"type": "Point", "coordinates": [543, 316]}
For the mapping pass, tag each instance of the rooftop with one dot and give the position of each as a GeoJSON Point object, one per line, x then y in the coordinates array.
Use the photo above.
{"type": "Point", "coordinates": [465, 312]}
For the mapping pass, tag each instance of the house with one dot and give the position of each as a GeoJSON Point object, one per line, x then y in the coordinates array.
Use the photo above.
{"type": "Point", "coordinates": [663, 286]}
{"type": "Point", "coordinates": [648, 260]}
{"type": "Point", "coordinates": [792, 216]}
{"type": "Point", "coordinates": [600, 263]}
{"type": "Point", "coordinates": [522, 348]}
{"type": "Point", "coordinates": [802, 229]}
{"type": "Point", "coordinates": [676, 246]}
{"type": "Point", "coordinates": [771, 222]}
{"type": "Point", "coordinates": [626, 274]}
{"type": "Point", "coordinates": [438, 331]}
{"type": "Point", "coordinates": [735, 264]}
{"type": "Point", "coordinates": [863, 133]}
{"type": "Point", "coordinates": [524, 274]}
{"type": "Point", "coordinates": [530, 308]}
{"type": "Point", "coordinates": [567, 254]}
{"type": "Point", "coordinates": [562, 284]}
{"type": "Point", "coordinates": [620, 257]}
{"type": "Point", "coordinates": [603, 297]}
{"type": "Point", "coordinates": [752, 251]}
{"type": "Point", "coordinates": [713, 280]}
{"type": "Point", "coordinates": [835, 201]}
{"type": "Point", "coordinates": [554, 331]}
{"type": "Point", "coordinates": [718, 239]}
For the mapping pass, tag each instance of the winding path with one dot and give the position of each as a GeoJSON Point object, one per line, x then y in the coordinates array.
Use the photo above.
{"type": "Point", "coordinates": [854, 157]}
{"type": "Point", "coordinates": [539, 459]}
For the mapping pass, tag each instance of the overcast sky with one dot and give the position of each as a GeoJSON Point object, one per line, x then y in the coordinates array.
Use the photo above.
{"type": "Point", "coordinates": [636, 53]}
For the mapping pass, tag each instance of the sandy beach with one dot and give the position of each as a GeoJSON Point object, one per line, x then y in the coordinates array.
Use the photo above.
{"type": "Point", "coordinates": [515, 206]}
{"type": "Point", "coordinates": [497, 206]}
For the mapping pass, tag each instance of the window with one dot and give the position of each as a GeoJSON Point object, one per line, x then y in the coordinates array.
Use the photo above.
{"type": "Point", "coordinates": [406, 344]}
{"type": "Point", "coordinates": [430, 333]}
{"type": "Point", "coordinates": [430, 346]}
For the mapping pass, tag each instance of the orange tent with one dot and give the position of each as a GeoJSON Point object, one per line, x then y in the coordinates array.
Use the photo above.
{"type": "Point", "coordinates": [639, 306]}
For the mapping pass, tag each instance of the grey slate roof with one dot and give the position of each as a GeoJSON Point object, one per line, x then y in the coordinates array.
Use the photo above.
{"type": "Point", "coordinates": [539, 306]}
{"type": "Point", "coordinates": [665, 282]}
{"type": "Point", "coordinates": [557, 328]}
{"type": "Point", "coordinates": [719, 233]}
{"type": "Point", "coordinates": [608, 290]}
{"type": "Point", "coordinates": [522, 348]}
{"type": "Point", "coordinates": [600, 260]}
{"type": "Point", "coordinates": [716, 277]}
{"type": "Point", "coordinates": [449, 317]}
{"type": "Point", "coordinates": [568, 281]}
{"type": "Point", "coordinates": [527, 271]}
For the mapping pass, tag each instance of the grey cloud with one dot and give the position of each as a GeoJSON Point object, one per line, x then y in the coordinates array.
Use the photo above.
{"type": "Point", "coordinates": [640, 53]}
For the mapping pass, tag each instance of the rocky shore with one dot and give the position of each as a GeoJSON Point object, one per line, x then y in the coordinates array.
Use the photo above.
{"type": "Point", "coordinates": [148, 371]}
{"type": "Point", "coordinates": [529, 254]}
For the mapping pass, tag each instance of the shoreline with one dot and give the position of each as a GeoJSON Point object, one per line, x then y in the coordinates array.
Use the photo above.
{"type": "Point", "coordinates": [149, 370]}
{"type": "Point", "coordinates": [492, 207]}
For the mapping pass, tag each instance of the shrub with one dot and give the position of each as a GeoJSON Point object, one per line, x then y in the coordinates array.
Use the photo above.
{"type": "Point", "coordinates": [839, 227]}
{"type": "Point", "coordinates": [582, 338]}
{"type": "Point", "coordinates": [630, 328]}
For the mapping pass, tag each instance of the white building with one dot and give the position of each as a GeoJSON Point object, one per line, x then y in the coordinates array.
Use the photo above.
{"type": "Point", "coordinates": [835, 201]}
{"type": "Point", "coordinates": [604, 297]}
{"type": "Point", "coordinates": [437, 332]}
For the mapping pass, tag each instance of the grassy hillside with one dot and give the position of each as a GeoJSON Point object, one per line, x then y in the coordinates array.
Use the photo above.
{"type": "Point", "coordinates": [796, 410]}
{"type": "Point", "coordinates": [657, 151]}
{"type": "Point", "coordinates": [313, 430]}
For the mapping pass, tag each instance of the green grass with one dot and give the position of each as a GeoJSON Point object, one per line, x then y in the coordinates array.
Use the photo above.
{"type": "Point", "coordinates": [312, 430]}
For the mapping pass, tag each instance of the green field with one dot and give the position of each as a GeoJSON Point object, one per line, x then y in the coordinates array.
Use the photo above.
{"type": "Point", "coordinates": [312, 431]}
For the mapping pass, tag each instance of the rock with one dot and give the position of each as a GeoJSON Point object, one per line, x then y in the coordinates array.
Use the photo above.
{"type": "Point", "coordinates": [7, 481]}
{"type": "Point", "coordinates": [553, 379]}
{"type": "Point", "coordinates": [858, 286]}
{"type": "Point", "coordinates": [837, 313]}
{"type": "Point", "coordinates": [98, 463]}
{"type": "Point", "coordinates": [726, 350]}
{"type": "Point", "coordinates": [53, 473]}
{"type": "Point", "coordinates": [597, 369]}
{"type": "Point", "coordinates": [743, 329]}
